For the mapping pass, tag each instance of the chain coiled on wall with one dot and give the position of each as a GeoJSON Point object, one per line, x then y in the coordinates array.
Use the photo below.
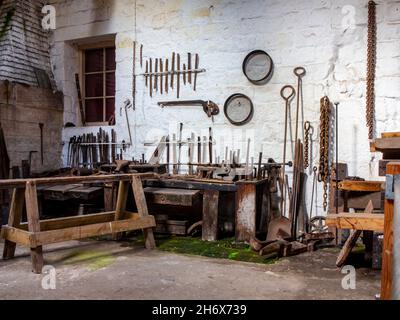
{"type": "Point", "coordinates": [324, 171]}
{"type": "Point", "coordinates": [371, 62]}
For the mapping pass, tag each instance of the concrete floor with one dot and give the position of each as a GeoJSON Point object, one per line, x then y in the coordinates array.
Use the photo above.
{"type": "Point", "coordinates": [108, 270]}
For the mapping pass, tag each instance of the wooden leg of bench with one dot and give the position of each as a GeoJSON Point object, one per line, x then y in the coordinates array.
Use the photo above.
{"type": "Point", "coordinates": [141, 204]}
{"type": "Point", "coordinates": [121, 204]}
{"type": "Point", "coordinates": [14, 220]}
{"type": "Point", "coordinates": [32, 211]}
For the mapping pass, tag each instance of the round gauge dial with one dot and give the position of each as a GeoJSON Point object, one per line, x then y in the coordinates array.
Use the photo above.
{"type": "Point", "coordinates": [238, 109]}
{"type": "Point", "coordinates": [257, 67]}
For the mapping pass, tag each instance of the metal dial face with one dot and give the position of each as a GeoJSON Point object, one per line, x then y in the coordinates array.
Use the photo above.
{"type": "Point", "coordinates": [239, 109]}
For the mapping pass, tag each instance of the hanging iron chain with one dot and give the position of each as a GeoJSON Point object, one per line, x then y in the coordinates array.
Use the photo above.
{"type": "Point", "coordinates": [307, 127]}
{"type": "Point", "coordinates": [371, 62]}
{"type": "Point", "coordinates": [324, 168]}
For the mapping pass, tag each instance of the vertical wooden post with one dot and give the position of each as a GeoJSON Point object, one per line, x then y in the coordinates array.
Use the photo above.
{"type": "Point", "coordinates": [396, 242]}
{"type": "Point", "coordinates": [32, 211]}
{"type": "Point", "coordinates": [246, 210]}
{"type": "Point", "coordinates": [392, 168]}
{"type": "Point", "coordinates": [210, 215]}
{"type": "Point", "coordinates": [14, 220]}
{"type": "Point", "coordinates": [141, 205]}
{"type": "Point", "coordinates": [120, 208]}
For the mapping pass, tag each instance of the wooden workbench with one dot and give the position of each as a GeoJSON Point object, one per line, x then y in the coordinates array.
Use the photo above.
{"type": "Point", "coordinates": [248, 202]}
{"type": "Point", "coordinates": [35, 233]}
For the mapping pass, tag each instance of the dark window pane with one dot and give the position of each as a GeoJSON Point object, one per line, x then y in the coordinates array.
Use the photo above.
{"type": "Point", "coordinates": [110, 108]}
{"type": "Point", "coordinates": [110, 59]}
{"type": "Point", "coordinates": [110, 84]}
{"type": "Point", "coordinates": [94, 60]}
{"type": "Point", "coordinates": [94, 110]}
{"type": "Point", "coordinates": [93, 85]}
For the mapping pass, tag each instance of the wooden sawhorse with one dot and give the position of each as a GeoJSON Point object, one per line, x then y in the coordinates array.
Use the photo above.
{"type": "Point", "coordinates": [35, 233]}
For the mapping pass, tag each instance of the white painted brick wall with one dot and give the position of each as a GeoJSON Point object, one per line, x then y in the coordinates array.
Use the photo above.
{"type": "Point", "coordinates": [327, 37]}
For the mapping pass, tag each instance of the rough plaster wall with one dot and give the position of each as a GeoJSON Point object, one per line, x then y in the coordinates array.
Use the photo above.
{"type": "Point", "coordinates": [25, 45]}
{"type": "Point", "coordinates": [317, 34]}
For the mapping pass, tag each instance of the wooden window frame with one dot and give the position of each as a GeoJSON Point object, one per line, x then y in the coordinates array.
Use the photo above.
{"type": "Point", "coordinates": [82, 75]}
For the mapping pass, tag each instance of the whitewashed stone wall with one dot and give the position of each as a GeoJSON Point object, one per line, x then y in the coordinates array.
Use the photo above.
{"type": "Point", "coordinates": [326, 37]}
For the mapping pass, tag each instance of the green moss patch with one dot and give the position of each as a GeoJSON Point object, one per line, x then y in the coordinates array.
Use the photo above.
{"type": "Point", "coordinates": [94, 259]}
{"type": "Point", "coordinates": [223, 249]}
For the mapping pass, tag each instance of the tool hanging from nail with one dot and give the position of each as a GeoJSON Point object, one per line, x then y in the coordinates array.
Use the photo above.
{"type": "Point", "coordinates": [287, 93]}
{"type": "Point", "coordinates": [178, 79]}
{"type": "Point", "coordinates": [128, 105]}
{"type": "Point", "coordinates": [300, 73]}
{"type": "Point", "coordinates": [209, 107]}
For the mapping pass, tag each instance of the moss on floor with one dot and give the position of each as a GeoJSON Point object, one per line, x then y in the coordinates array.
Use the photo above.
{"type": "Point", "coordinates": [223, 249]}
{"type": "Point", "coordinates": [94, 259]}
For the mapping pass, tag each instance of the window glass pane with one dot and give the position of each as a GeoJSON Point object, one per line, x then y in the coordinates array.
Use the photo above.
{"type": "Point", "coordinates": [93, 60]}
{"type": "Point", "coordinates": [110, 59]}
{"type": "Point", "coordinates": [110, 84]}
{"type": "Point", "coordinates": [94, 85]}
{"type": "Point", "coordinates": [110, 108]}
{"type": "Point", "coordinates": [94, 110]}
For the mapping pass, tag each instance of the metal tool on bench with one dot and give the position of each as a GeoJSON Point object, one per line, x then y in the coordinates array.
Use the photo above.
{"type": "Point", "coordinates": [209, 107]}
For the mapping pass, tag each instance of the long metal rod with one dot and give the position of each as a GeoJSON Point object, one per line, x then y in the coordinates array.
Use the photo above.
{"type": "Point", "coordinates": [337, 157]}
{"type": "Point", "coordinates": [172, 72]}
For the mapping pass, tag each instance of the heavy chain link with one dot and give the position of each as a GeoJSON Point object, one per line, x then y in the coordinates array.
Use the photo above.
{"type": "Point", "coordinates": [324, 172]}
{"type": "Point", "coordinates": [371, 62]}
{"type": "Point", "coordinates": [307, 127]}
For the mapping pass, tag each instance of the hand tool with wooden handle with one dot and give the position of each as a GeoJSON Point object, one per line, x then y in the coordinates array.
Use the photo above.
{"type": "Point", "coordinates": [178, 68]}
{"type": "Point", "coordinates": [156, 76]}
{"type": "Point", "coordinates": [195, 74]}
{"type": "Point", "coordinates": [174, 164]}
{"type": "Point", "coordinates": [172, 70]}
{"type": "Point", "coordinates": [146, 77]}
{"type": "Point", "coordinates": [166, 76]}
{"type": "Point", "coordinates": [184, 74]}
{"type": "Point", "coordinates": [151, 77]}
{"type": "Point", "coordinates": [189, 65]}
{"type": "Point", "coordinates": [161, 76]}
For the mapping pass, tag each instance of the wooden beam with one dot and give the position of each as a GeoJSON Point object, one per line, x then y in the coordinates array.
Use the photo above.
{"type": "Point", "coordinates": [210, 215]}
{"type": "Point", "coordinates": [20, 183]}
{"type": "Point", "coordinates": [356, 221]}
{"type": "Point", "coordinates": [169, 196]}
{"type": "Point", "coordinates": [141, 205]}
{"type": "Point", "coordinates": [368, 186]}
{"type": "Point", "coordinates": [80, 232]}
{"type": "Point", "coordinates": [16, 236]}
{"type": "Point", "coordinates": [388, 240]}
{"type": "Point", "coordinates": [14, 220]}
{"type": "Point", "coordinates": [246, 210]}
{"type": "Point", "coordinates": [32, 212]}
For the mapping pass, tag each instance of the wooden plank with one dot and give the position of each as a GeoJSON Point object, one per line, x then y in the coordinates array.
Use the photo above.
{"type": "Point", "coordinates": [210, 215]}
{"type": "Point", "coordinates": [369, 186]}
{"type": "Point", "coordinates": [356, 221]}
{"type": "Point", "coordinates": [14, 220]}
{"type": "Point", "coordinates": [388, 240]}
{"type": "Point", "coordinates": [246, 210]}
{"type": "Point", "coordinates": [383, 144]}
{"type": "Point", "coordinates": [182, 184]}
{"type": "Point", "coordinates": [68, 222]}
{"type": "Point", "coordinates": [120, 208]}
{"type": "Point", "coordinates": [20, 183]}
{"type": "Point", "coordinates": [32, 211]}
{"type": "Point", "coordinates": [352, 240]}
{"type": "Point", "coordinates": [86, 193]}
{"type": "Point", "coordinates": [172, 227]}
{"type": "Point", "coordinates": [16, 236]}
{"type": "Point", "coordinates": [80, 232]}
{"type": "Point", "coordinates": [141, 205]}
{"type": "Point", "coordinates": [390, 135]}
{"type": "Point", "coordinates": [382, 165]}
{"type": "Point", "coordinates": [169, 196]}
